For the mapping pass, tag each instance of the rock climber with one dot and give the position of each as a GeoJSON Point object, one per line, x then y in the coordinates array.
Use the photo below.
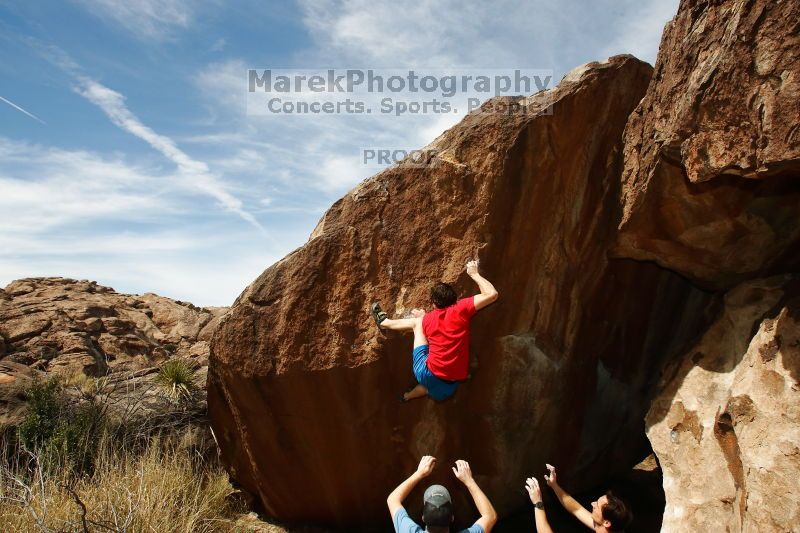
{"type": "Point", "coordinates": [441, 337]}
{"type": "Point", "coordinates": [437, 510]}
{"type": "Point", "coordinates": [609, 513]}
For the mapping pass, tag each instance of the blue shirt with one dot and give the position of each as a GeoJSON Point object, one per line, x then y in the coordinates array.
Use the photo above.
{"type": "Point", "coordinates": [404, 524]}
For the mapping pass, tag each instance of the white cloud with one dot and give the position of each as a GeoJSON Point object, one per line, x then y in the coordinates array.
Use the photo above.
{"type": "Point", "coordinates": [429, 34]}
{"type": "Point", "coordinates": [500, 34]}
{"type": "Point", "coordinates": [44, 188]}
{"type": "Point", "coordinates": [301, 153]}
{"type": "Point", "coordinates": [84, 215]}
{"type": "Point", "coordinates": [339, 172]}
{"type": "Point", "coordinates": [195, 174]}
{"type": "Point", "coordinates": [146, 19]}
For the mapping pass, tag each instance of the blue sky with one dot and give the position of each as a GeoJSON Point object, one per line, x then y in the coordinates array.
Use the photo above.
{"type": "Point", "coordinates": [126, 155]}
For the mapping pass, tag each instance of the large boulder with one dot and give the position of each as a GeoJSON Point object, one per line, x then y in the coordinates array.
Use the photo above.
{"type": "Point", "coordinates": [303, 388]}
{"type": "Point", "coordinates": [711, 189]}
{"type": "Point", "coordinates": [712, 152]}
{"type": "Point", "coordinates": [726, 424]}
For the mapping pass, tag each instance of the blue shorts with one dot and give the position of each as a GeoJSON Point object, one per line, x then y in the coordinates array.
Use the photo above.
{"type": "Point", "coordinates": [438, 389]}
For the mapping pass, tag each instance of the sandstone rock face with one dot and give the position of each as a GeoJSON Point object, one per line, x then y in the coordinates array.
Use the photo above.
{"type": "Point", "coordinates": [63, 325]}
{"type": "Point", "coordinates": [712, 152]}
{"type": "Point", "coordinates": [711, 190]}
{"type": "Point", "coordinates": [14, 379]}
{"type": "Point", "coordinates": [303, 388]}
{"type": "Point", "coordinates": [67, 327]}
{"type": "Point", "coordinates": [726, 425]}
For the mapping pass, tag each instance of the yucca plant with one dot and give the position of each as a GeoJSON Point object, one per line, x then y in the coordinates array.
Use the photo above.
{"type": "Point", "coordinates": [176, 377]}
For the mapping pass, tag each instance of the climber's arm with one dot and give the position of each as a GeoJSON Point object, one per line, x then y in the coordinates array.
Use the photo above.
{"type": "Point", "coordinates": [395, 499]}
{"type": "Point", "coordinates": [488, 293]}
{"type": "Point", "coordinates": [568, 502]}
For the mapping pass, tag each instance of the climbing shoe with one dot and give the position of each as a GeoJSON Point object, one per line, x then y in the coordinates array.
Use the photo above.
{"type": "Point", "coordinates": [378, 314]}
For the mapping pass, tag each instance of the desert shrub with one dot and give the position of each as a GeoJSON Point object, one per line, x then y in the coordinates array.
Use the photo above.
{"type": "Point", "coordinates": [164, 488]}
{"type": "Point", "coordinates": [45, 406]}
{"type": "Point", "coordinates": [60, 434]}
{"type": "Point", "coordinates": [176, 376]}
{"type": "Point", "coordinates": [75, 441]}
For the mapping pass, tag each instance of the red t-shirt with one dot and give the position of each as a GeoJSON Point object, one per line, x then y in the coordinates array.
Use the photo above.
{"type": "Point", "coordinates": [448, 339]}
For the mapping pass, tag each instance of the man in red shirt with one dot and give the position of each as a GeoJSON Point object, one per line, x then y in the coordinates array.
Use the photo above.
{"type": "Point", "coordinates": [441, 337]}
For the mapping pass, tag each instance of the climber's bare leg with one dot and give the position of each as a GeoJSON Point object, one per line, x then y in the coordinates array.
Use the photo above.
{"type": "Point", "coordinates": [398, 324]}
{"type": "Point", "coordinates": [419, 340]}
{"type": "Point", "coordinates": [417, 392]}
{"type": "Point", "coordinates": [407, 324]}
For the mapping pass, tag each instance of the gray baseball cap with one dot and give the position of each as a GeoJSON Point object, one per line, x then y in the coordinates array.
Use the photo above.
{"type": "Point", "coordinates": [436, 495]}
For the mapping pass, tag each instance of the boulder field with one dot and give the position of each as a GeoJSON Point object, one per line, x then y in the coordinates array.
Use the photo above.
{"type": "Point", "coordinates": [78, 330]}
{"type": "Point", "coordinates": [641, 225]}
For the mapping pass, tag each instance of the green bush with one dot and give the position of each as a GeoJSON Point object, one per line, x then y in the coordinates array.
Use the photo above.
{"type": "Point", "coordinates": [61, 435]}
{"type": "Point", "coordinates": [74, 443]}
{"type": "Point", "coordinates": [45, 406]}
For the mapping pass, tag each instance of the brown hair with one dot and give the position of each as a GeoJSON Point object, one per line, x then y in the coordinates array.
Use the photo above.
{"type": "Point", "coordinates": [616, 512]}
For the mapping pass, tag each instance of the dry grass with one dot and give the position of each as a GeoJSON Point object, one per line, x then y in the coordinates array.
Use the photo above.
{"type": "Point", "coordinates": [164, 488]}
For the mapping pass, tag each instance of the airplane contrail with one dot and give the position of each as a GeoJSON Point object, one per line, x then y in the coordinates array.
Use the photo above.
{"type": "Point", "coordinates": [18, 108]}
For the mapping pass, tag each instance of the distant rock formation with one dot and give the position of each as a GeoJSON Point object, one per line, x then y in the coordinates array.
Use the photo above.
{"type": "Point", "coordinates": [60, 326]}
{"type": "Point", "coordinates": [303, 388]}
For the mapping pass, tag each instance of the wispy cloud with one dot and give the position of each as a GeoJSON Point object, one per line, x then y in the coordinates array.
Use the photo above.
{"type": "Point", "coordinates": [453, 33]}
{"type": "Point", "coordinates": [146, 19]}
{"type": "Point", "coordinates": [18, 108]}
{"type": "Point", "coordinates": [46, 188]}
{"type": "Point", "coordinates": [193, 172]}
{"type": "Point", "coordinates": [81, 214]}
{"type": "Point", "coordinates": [301, 153]}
